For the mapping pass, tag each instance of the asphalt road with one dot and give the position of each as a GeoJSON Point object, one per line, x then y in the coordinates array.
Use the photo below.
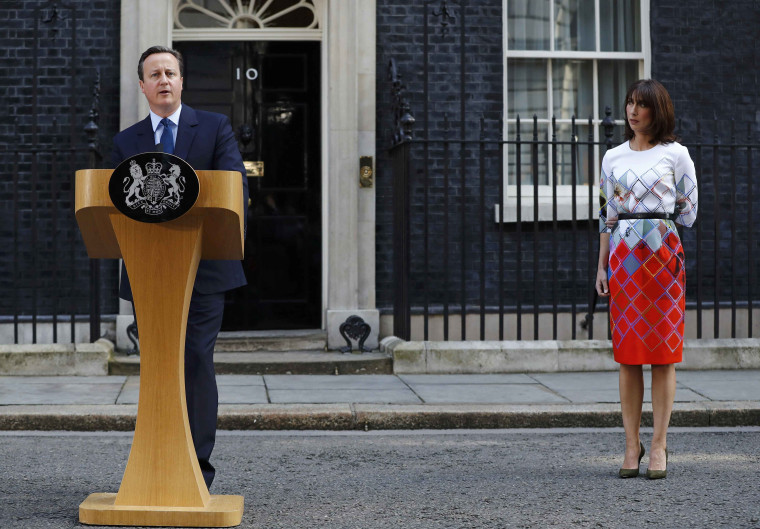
{"type": "Point", "coordinates": [418, 479]}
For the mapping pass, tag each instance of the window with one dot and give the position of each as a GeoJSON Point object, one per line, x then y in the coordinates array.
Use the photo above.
{"type": "Point", "coordinates": [240, 15]}
{"type": "Point", "coordinates": [566, 58]}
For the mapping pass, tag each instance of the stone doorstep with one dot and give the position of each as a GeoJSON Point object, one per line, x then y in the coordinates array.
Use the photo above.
{"type": "Point", "coordinates": [83, 359]}
{"type": "Point", "coordinates": [335, 417]}
{"type": "Point", "coordinates": [277, 352]}
{"type": "Point", "coordinates": [472, 357]}
{"type": "Point", "coordinates": [295, 340]}
{"type": "Point", "coordinates": [280, 363]}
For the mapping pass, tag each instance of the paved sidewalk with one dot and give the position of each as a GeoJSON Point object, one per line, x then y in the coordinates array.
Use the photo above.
{"type": "Point", "coordinates": [703, 398]}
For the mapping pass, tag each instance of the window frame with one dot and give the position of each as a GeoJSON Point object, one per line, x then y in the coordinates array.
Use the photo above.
{"type": "Point", "coordinates": [564, 191]}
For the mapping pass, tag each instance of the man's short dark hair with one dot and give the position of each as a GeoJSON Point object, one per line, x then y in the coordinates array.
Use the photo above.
{"type": "Point", "coordinates": [159, 49]}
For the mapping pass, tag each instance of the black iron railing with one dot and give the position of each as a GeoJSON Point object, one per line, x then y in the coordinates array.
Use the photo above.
{"type": "Point", "coordinates": [47, 283]}
{"type": "Point", "coordinates": [50, 281]}
{"type": "Point", "coordinates": [456, 253]}
{"type": "Point", "coordinates": [499, 219]}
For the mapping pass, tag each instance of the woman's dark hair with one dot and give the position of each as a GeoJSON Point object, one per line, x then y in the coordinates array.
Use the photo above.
{"type": "Point", "coordinates": [657, 99]}
{"type": "Point", "coordinates": [159, 49]}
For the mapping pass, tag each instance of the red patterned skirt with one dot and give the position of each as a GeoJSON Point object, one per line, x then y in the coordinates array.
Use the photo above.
{"type": "Point", "coordinates": [647, 302]}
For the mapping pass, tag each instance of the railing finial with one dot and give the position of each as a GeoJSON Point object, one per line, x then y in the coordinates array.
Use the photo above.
{"type": "Point", "coordinates": [446, 17]}
{"type": "Point", "coordinates": [91, 129]}
{"type": "Point", "coordinates": [403, 120]}
{"type": "Point", "coordinates": [609, 125]}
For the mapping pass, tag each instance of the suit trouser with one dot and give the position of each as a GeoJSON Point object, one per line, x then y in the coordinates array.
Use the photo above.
{"type": "Point", "coordinates": [204, 320]}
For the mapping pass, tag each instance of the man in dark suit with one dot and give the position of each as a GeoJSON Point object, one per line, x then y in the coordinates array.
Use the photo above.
{"type": "Point", "coordinates": [206, 141]}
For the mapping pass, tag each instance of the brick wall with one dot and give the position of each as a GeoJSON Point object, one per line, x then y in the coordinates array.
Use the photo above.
{"type": "Point", "coordinates": [707, 54]}
{"type": "Point", "coordinates": [400, 36]}
{"type": "Point", "coordinates": [47, 95]}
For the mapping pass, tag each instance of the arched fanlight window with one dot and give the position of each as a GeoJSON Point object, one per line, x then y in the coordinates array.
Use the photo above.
{"type": "Point", "coordinates": [245, 14]}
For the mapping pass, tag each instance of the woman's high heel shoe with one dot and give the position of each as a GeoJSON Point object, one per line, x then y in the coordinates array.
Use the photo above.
{"type": "Point", "coordinates": [659, 474]}
{"type": "Point", "coordinates": [633, 472]}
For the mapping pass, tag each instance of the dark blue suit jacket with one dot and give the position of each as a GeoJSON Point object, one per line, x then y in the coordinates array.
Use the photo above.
{"type": "Point", "coordinates": [206, 141]}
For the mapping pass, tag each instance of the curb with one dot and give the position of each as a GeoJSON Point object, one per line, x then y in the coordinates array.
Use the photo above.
{"type": "Point", "coordinates": [343, 417]}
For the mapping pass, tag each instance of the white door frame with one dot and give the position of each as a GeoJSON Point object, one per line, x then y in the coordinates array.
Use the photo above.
{"type": "Point", "coordinates": [347, 34]}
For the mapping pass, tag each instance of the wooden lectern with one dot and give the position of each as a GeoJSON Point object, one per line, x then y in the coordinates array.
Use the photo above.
{"type": "Point", "coordinates": [162, 483]}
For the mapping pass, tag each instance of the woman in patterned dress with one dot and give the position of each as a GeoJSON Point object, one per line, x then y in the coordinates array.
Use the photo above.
{"type": "Point", "coordinates": [647, 185]}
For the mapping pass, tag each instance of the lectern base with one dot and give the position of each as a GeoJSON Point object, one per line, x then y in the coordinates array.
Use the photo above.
{"type": "Point", "coordinates": [222, 511]}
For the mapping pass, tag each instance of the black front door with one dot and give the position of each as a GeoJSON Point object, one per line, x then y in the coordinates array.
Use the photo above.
{"type": "Point", "coordinates": [271, 93]}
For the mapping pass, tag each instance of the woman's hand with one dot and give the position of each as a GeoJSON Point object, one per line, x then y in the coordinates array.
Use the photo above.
{"type": "Point", "coordinates": [601, 275]}
{"type": "Point", "coordinates": [611, 222]}
{"type": "Point", "coordinates": [601, 283]}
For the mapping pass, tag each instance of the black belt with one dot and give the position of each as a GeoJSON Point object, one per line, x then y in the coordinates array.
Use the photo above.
{"type": "Point", "coordinates": [637, 216]}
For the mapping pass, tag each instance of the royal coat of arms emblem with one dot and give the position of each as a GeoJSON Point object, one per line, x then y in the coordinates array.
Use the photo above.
{"type": "Point", "coordinates": [154, 187]}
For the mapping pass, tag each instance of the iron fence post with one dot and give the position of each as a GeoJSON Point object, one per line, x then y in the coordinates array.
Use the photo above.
{"type": "Point", "coordinates": [401, 242]}
{"type": "Point", "coordinates": [402, 138]}
{"type": "Point", "coordinates": [91, 130]}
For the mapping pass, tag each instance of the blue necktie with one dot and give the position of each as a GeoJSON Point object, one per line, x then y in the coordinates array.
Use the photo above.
{"type": "Point", "coordinates": [167, 138]}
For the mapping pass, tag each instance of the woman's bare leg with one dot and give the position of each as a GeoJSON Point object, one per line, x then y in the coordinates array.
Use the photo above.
{"type": "Point", "coordinates": [631, 400]}
{"type": "Point", "coordinates": [663, 394]}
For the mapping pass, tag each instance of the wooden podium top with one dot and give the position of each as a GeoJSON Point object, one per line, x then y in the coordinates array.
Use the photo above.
{"type": "Point", "coordinates": [220, 203]}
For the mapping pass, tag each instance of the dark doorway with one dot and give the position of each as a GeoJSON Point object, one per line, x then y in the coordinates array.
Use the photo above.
{"type": "Point", "coordinates": [271, 93]}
